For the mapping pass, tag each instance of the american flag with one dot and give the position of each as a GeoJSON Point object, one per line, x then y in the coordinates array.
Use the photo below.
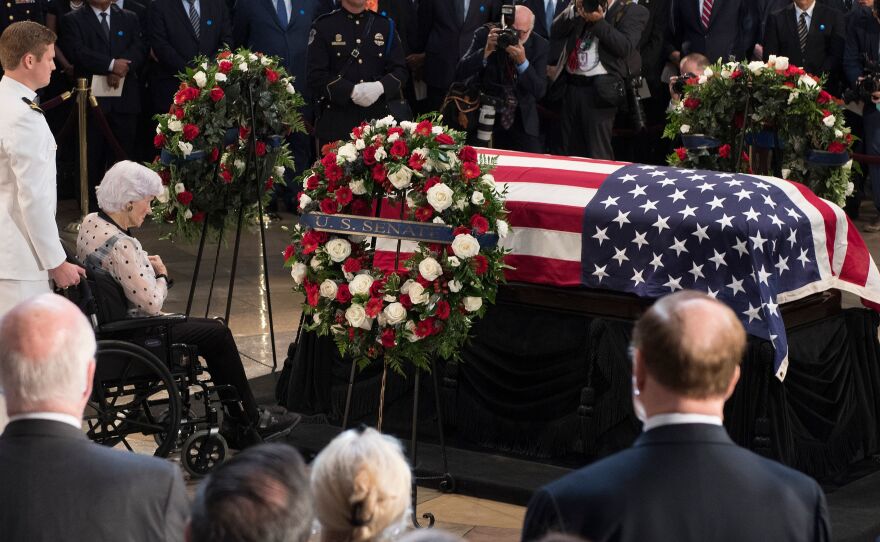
{"type": "Point", "coordinates": [752, 242]}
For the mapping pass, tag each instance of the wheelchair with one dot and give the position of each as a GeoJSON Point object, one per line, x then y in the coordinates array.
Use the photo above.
{"type": "Point", "coordinates": [150, 394]}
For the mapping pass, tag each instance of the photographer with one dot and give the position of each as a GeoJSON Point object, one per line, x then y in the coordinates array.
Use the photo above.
{"type": "Point", "coordinates": [692, 65]}
{"type": "Point", "coordinates": [510, 64]}
{"type": "Point", "coordinates": [599, 41]}
{"type": "Point", "coordinates": [863, 75]}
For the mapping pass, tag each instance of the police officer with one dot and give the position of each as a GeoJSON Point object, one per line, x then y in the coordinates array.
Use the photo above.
{"type": "Point", "coordinates": [356, 63]}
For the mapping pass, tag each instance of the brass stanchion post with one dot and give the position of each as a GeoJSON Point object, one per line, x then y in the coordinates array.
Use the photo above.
{"type": "Point", "coordinates": [82, 104]}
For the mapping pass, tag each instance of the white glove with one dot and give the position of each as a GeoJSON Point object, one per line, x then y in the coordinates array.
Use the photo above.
{"type": "Point", "coordinates": [366, 94]}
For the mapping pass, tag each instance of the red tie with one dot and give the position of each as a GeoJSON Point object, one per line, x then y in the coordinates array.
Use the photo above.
{"type": "Point", "coordinates": [707, 12]}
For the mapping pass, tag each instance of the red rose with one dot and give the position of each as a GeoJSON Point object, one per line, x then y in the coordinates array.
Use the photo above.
{"type": "Point", "coordinates": [333, 173]}
{"type": "Point", "coordinates": [185, 197]}
{"type": "Point", "coordinates": [190, 132]}
{"type": "Point", "coordinates": [360, 207]}
{"type": "Point", "coordinates": [310, 241]}
{"type": "Point", "coordinates": [165, 175]}
{"type": "Point", "coordinates": [823, 97]}
{"type": "Point", "coordinates": [351, 265]}
{"type": "Point", "coordinates": [224, 54]}
{"type": "Point", "coordinates": [825, 112]}
{"type": "Point", "coordinates": [379, 173]}
{"type": "Point", "coordinates": [215, 154]}
{"type": "Point", "coordinates": [398, 149]}
{"type": "Point", "coordinates": [480, 224]}
{"type": "Point", "coordinates": [329, 206]}
{"type": "Point", "coordinates": [243, 132]}
{"type": "Point", "coordinates": [430, 182]}
{"type": "Point", "coordinates": [470, 170]}
{"type": "Point", "coordinates": [468, 154]}
{"type": "Point", "coordinates": [327, 148]}
{"type": "Point", "coordinates": [313, 292]}
{"type": "Point", "coordinates": [724, 151]}
{"type": "Point", "coordinates": [199, 217]}
{"type": "Point", "coordinates": [793, 71]}
{"type": "Point", "coordinates": [425, 327]}
{"type": "Point", "coordinates": [461, 230]}
{"type": "Point", "coordinates": [312, 182]}
{"type": "Point", "coordinates": [358, 131]}
{"type": "Point", "coordinates": [225, 174]}
{"type": "Point", "coordinates": [261, 148]}
{"type": "Point", "coordinates": [424, 214]}
{"type": "Point", "coordinates": [444, 139]}
{"type": "Point", "coordinates": [270, 182]}
{"type": "Point", "coordinates": [288, 252]}
{"type": "Point", "coordinates": [343, 295]}
{"type": "Point", "coordinates": [405, 301]}
{"type": "Point", "coordinates": [836, 146]}
{"type": "Point", "coordinates": [441, 309]}
{"type": "Point", "coordinates": [691, 103]}
{"type": "Point", "coordinates": [374, 307]}
{"type": "Point", "coordinates": [343, 195]}
{"type": "Point", "coordinates": [217, 94]}
{"type": "Point", "coordinates": [481, 264]}
{"type": "Point", "coordinates": [789, 84]}
{"type": "Point", "coordinates": [329, 160]}
{"type": "Point", "coordinates": [377, 286]}
{"type": "Point", "coordinates": [682, 153]}
{"type": "Point", "coordinates": [159, 141]}
{"type": "Point", "coordinates": [177, 112]}
{"type": "Point", "coordinates": [225, 66]}
{"type": "Point", "coordinates": [416, 162]}
{"type": "Point", "coordinates": [369, 156]}
{"type": "Point", "coordinates": [271, 75]}
{"type": "Point", "coordinates": [388, 337]}
{"type": "Point", "coordinates": [424, 128]}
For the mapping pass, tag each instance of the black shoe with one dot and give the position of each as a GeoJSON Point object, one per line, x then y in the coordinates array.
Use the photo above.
{"type": "Point", "coordinates": [273, 426]}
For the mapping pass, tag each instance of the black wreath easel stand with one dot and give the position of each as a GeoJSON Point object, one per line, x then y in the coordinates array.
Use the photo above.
{"type": "Point", "coordinates": [250, 164]}
{"type": "Point", "coordinates": [447, 481]}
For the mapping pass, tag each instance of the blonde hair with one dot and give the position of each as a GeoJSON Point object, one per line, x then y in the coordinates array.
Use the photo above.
{"type": "Point", "coordinates": [361, 485]}
{"type": "Point", "coordinates": [22, 38]}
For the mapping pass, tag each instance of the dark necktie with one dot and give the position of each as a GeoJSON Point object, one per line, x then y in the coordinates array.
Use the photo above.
{"type": "Point", "coordinates": [459, 10]}
{"type": "Point", "coordinates": [105, 26]}
{"type": "Point", "coordinates": [194, 17]}
{"type": "Point", "coordinates": [802, 31]}
{"type": "Point", "coordinates": [282, 12]}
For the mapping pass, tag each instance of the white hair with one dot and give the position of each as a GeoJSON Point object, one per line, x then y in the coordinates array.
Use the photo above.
{"type": "Point", "coordinates": [45, 350]}
{"type": "Point", "coordinates": [126, 182]}
{"type": "Point", "coordinates": [361, 486]}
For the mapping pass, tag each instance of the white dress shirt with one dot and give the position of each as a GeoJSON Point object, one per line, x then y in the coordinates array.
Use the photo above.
{"type": "Point", "coordinates": [678, 418]}
{"type": "Point", "coordinates": [198, 6]}
{"type": "Point", "coordinates": [808, 11]}
{"type": "Point", "coordinates": [51, 416]}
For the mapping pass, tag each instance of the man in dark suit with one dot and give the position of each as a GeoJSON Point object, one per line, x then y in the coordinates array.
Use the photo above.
{"type": "Point", "coordinates": [518, 72]}
{"type": "Point", "coordinates": [545, 11]}
{"type": "Point", "coordinates": [714, 28]}
{"type": "Point", "coordinates": [599, 51]}
{"type": "Point", "coordinates": [683, 479]}
{"type": "Point", "coordinates": [819, 50]}
{"type": "Point", "coordinates": [102, 40]}
{"type": "Point", "coordinates": [181, 30]}
{"type": "Point", "coordinates": [446, 28]}
{"type": "Point", "coordinates": [55, 484]}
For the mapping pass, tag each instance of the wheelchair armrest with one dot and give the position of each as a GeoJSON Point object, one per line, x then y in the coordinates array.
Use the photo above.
{"type": "Point", "coordinates": [143, 322]}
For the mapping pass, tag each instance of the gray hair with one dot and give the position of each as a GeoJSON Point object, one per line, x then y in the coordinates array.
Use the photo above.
{"type": "Point", "coordinates": [361, 485]}
{"type": "Point", "coordinates": [125, 182]}
{"type": "Point", "coordinates": [46, 345]}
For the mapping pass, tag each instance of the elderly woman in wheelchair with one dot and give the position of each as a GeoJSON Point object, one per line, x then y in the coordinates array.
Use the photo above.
{"type": "Point", "coordinates": [105, 242]}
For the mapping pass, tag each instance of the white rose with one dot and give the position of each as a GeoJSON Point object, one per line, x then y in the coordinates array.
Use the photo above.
{"type": "Point", "coordinates": [806, 81]}
{"type": "Point", "coordinates": [781, 63]}
{"type": "Point", "coordinates": [188, 214]}
{"type": "Point", "coordinates": [360, 285]}
{"type": "Point", "coordinates": [430, 268]}
{"type": "Point", "coordinates": [393, 137]}
{"type": "Point", "coordinates": [725, 73]}
{"type": "Point", "coordinates": [477, 198]}
{"type": "Point", "coordinates": [386, 122]}
{"type": "Point", "coordinates": [708, 72]}
{"type": "Point", "coordinates": [502, 228]}
{"type": "Point", "coordinates": [201, 79]}
{"type": "Point", "coordinates": [793, 96]}
{"type": "Point", "coordinates": [440, 197]}
{"type": "Point", "coordinates": [473, 304]}
{"type": "Point", "coordinates": [220, 77]}
{"type": "Point", "coordinates": [438, 220]}
{"type": "Point", "coordinates": [756, 66]}
{"type": "Point", "coordinates": [465, 246]}
{"type": "Point", "coordinates": [178, 188]}
{"type": "Point", "coordinates": [785, 173]}
{"type": "Point", "coordinates": [346, 153]}
{"type": "Point", "coordinates": [338, 249]}
{"type": "Point", "coordinates": [163, 196]}
{"type": "Point", "coordinates": [417, 293]}
{"type": "Point", "coordinates": [355, 315]}
{"type": "Point", "coordinates": [185, 148]}
{"type": "Point", "coordinates": [411, 331]}
{"type": "Point", "coordinates": [685, 128]}
{"type": "Point", "coordinates": [175, 125]}
{"type": "Point", "coordinates": [316, 263]}
{"type": "Point", "coordinates": [849, 189]}
{"type": "Point", "coordinates": [400, 178]}
{"type": "Point", "coordinates": [289, 88]}
{"type": "Point", "coordinates": [279, 171]}
{"type": "Point", "coordinates": [848, 166]}
{"type": "Point", "coordinates": [460, 204]}
{"type": "Point", "coordinates": [381, 154]}
{"type": "Point", "coordinates": [357, 187]}
{"type": "Point", "coordinates": [702, 79]}
{"type": "Point", "coordinates": [404, 288]}
{"type": "Point", "coordinates": [408, 125]}
{"type": "Point", "coordinates": [265, 61]}
{"type": "Point", "coordinates": [395, 313]}
{"type": "Point", "coordinates": [298, 272]}
{"type": "Point", "coordinates": [389, 298]}
{"type": "Point", "coordinates": [243, 66]}
{"type": "Point", "coordinates": [239, 164]}
{"type": "Point", "coordinates": [436, 130]}
{"type": "Point", "coordinates": [359, 144]}
{"type": "Point", "coordinates": [454, 286]}
{"type": "Point", "coordinates": [328, 289]}
{"type": "Point", "coordinates": [838, 133]}
{"type": "Point", "coordinates": [304, 200]}
{"type": "Point", "coordinates": [829, 120]}
{"type": "Point", "coordinates": [453, 261]}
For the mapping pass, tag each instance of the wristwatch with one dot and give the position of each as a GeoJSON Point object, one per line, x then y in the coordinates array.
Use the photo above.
{"type": "Point", "coordinates": [168, 282]}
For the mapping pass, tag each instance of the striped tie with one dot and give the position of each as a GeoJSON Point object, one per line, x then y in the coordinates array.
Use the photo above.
{"type": "Point", "coordinates": [707, 12]}
{"type": "Point", "coordinates": [194, 17]}
{"type": "Point", "coordinates": [802, 31]}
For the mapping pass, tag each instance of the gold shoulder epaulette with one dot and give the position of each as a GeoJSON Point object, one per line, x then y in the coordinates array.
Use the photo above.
{"type": "Point", "coordinates": [32, 105]}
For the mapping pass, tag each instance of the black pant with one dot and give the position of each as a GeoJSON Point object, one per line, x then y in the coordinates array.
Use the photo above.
{"type": "Point", "coordinates": [100, 152]}
{"type": "Point", "coordinates": [587, 121]}
{"type": "Point", "coordinates": [216, 345]}
{"type": "Point", "coordinates": [515, 138]}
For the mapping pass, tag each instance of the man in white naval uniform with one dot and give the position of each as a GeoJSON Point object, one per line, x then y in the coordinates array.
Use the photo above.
{"type": "Point", "coordinates": [30, 251]}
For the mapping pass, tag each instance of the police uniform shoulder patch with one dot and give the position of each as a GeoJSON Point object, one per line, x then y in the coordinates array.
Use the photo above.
{"type": "Point", "coordinates": [32, 105]}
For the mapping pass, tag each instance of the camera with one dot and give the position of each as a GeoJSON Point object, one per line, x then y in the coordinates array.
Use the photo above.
{"type": "Point", "coordinates": [681, 82]}
{"type": "Point", "coordinates": [590, 6]}
{"type": "Point", "coordinates": [508, 35]}
{"type": "Point", "coordinates": [634, 103]}
{"type": "Point", "coordinates": [867, 86]}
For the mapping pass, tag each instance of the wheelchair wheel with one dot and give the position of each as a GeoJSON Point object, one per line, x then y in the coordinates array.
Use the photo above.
{"type": "Point", "coordinates": [183, 432]}
{"type": "Point", "coordinates": [132, 389]}
{"type": "Point", "coordinates": [203, 451]}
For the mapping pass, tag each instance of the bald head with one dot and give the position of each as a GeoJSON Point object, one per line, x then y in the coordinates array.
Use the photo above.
{"type": "Point", "coordinates": [47, 349]}
{"type": "Point", "coordinates": [691, 344]}
{"type": "Point", "coordinates": [524, 21]}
